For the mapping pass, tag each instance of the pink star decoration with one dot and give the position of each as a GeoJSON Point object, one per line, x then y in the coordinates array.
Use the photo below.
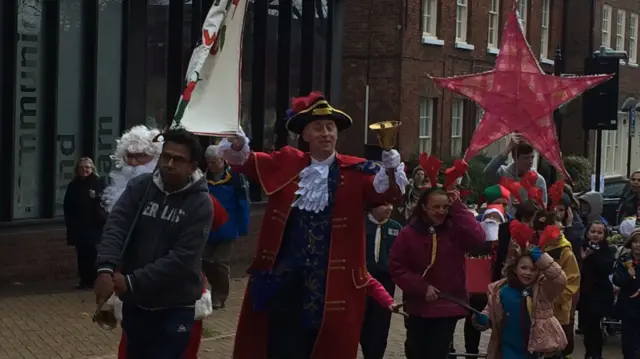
{"type": "Point", "coordinates": [517, 96]}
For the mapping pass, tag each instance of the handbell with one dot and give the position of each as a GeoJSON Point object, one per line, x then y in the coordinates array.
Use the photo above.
{"type": "Point", "coordinates": [386, 131]}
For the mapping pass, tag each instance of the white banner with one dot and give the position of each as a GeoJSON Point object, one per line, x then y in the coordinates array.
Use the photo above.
{"type": "Point", "coordinates": [210, 104]}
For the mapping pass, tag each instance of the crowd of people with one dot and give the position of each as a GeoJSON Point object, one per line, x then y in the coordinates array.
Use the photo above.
{"type": "Point", "coordinates": [339, 234]}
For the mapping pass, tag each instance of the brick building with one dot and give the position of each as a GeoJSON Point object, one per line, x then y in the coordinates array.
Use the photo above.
{"type": "Point", "coordinates": [615, 25]}
{"type": "Point", "coordinates": [392, 45]}
{"type": "Point", "coordinates": [83, 71]}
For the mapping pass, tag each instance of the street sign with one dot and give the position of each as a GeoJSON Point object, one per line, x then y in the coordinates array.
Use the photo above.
{"type": "Point", "coordinates": [632, 122]}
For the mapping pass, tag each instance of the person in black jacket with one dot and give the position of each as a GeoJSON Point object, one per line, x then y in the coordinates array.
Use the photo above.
{"type": "Point", "coordinates": [596, 290]}
{"type": "Point", "coordinates": [628, 205]}
{"type": "Point", "coordinates": [625, 276]}
{"type": "Point", "coordinates": [525, 212]}
{"type": "Point", "coordinates": [84, 218]}
{"type": "Point", "coordinates": [574, 229]}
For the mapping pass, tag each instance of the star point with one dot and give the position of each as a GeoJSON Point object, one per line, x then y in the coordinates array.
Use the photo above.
{"type": "Point", "coordinates": [517, 96]}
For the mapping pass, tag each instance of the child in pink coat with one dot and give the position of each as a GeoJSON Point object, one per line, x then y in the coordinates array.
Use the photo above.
{"type": "Point", "coordinates": [520, 307]}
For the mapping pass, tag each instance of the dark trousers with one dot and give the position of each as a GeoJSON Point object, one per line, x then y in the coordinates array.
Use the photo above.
{"type": "Point", "coordinates": [86, 258]}
{"type": "Point", "coordinates": [429, 338]}
{"type": "Point", "coordinates": [630, 338]}
{"type": "Point", "coordinates": [288, 339]}
{"type": "Point", "coordinates": [216, 265]}
{"type": "Point", "coordinates": [157, 334]}
{"type": "Point", "coordinates": [471, 334]}
{"type": "Point", "coordinates": [592, 331]}
{"type": "Point", "coordinates": [570, 333]}
{"type": "Point", "coordinates": [377, 320]}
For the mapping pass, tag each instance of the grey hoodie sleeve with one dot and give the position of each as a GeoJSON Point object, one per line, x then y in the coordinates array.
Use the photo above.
{"type": "Point", "coordinates": [185, 252]}
{"type": "Point", "coordinates": [493, 170]}
{"type": "Point", "coordinates": [117, 227]}
{"type": "Point", "coordinates": [542, 184]}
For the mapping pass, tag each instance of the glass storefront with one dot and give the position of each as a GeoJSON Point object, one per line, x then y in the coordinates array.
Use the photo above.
{"type": "Point", "coordinates": [82, 71]}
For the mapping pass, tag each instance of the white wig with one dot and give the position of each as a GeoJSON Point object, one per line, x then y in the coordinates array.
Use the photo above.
{"type": "Point", "coordinates": [211, 152]}
{"type": "Point", "coordinates": [139, 139]}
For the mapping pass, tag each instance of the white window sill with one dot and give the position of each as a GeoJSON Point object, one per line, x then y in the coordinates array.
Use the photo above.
{"type": "Point", "coordinates": [632, 64]}
{"type": "Point", "coordinates": [464, 46]}
{"type": "Point", "coordinates": [493, 50]}
{"type": "Point", "coordinates": [547, 61]}
{"type": "Point", "coordinates": [430, 40]}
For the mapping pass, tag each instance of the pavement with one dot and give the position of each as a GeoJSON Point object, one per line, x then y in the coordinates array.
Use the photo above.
{"type": "Point", "coordinates": [49, 321]}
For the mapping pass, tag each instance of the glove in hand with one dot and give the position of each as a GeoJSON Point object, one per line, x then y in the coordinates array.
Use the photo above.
{"type": "Point", "coordinates": [391, 159]}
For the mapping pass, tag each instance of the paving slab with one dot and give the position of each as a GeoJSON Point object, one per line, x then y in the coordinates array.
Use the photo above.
{"type": "Point", "coordinates": [43, 321]}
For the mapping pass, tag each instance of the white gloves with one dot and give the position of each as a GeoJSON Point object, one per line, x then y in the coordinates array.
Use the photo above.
{"type": "Point", "coordinates": [391, 159]}
{"type": "Point", "coordinates": [226, 151]}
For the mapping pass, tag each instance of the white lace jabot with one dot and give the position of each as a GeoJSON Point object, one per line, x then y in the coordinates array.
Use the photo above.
{"type": "Point", "coordinates": [313, 187]}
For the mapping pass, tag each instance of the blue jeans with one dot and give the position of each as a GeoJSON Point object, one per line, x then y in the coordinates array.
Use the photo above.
{"type": "Point", "coordinates": [157, 334]}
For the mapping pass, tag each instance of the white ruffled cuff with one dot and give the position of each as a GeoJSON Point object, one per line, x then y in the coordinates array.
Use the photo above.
{"type": "Point", "coordinates": [233, 157]}
{"type": "Point", "coordinates": [313, 189]}
{"type": "Point", "coordinates": [381, 180]}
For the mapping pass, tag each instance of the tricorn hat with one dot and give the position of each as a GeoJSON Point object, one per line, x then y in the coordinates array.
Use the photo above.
{"type": "Point", "coordinates": [305, 110]}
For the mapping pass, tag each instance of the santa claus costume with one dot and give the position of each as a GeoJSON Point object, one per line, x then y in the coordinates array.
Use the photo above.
{"type": "Point", "coordinates": [309, 280]}
{"type": "Point", "coordinates": [137, 153]}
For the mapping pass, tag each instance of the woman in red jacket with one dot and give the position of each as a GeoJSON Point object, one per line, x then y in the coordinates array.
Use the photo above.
{"type": "Point", "coordinates": [220, 217]}
{"type": "Point", "coordinates": [427, 258]}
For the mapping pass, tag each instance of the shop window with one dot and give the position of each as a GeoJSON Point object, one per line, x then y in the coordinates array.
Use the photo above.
{"type": "Point", "coordinates": [69, 137]}
{"type": "Point", "coordinates": [29, 126]}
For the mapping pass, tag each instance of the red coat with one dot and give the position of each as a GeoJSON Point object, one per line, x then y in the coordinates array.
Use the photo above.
{"type": "Point", "coordinates": [411, 254]}
{"type": "Point", "coordinates": [347, 276]}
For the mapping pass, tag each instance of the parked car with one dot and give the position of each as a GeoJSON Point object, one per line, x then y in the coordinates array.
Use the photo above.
{"type": "Point", "coordinates": [613, 189]}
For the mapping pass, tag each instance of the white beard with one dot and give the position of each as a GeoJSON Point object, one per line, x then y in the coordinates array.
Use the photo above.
{"type": "Point", "coordinates": [119, 180]}
{"type": "Point", "coordinates": [491, 229]}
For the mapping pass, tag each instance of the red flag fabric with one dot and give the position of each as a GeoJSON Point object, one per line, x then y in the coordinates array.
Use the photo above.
{"type": "Point", "coordinates": [517, 96]}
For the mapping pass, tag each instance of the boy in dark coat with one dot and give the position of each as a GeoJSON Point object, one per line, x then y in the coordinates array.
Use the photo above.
{"type": "Point", "coordinates": [596, 291]}
{"type": "Point", "coordinates": [381, 232]}
{"type": "Point", "coordinates": [625, 276]}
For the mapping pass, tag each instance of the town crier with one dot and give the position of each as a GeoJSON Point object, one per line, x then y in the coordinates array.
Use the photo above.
{"type": "Point", "coordinates": [309, 281]}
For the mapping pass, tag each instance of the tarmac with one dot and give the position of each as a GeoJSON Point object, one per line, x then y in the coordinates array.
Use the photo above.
{"type": "Point", "coordinates": [50, 321]}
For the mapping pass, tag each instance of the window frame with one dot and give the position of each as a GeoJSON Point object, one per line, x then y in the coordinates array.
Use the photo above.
{"type": "Point", "coordinates": [620, 29]}
{"type": "Point", "coordinates": [430, 21]}
{"type": "Point", "coordinates": [634, 19]}
{"type": "Point", "coordinates": [462, 23]}
{"type": "Point", "coordinates": [606, 28]}
{"type": "Point", "coordinates": [493, 42]}
{"type": "Point", "coordinates": [425, 133]}
{"type": "Point", "coordinates": [479, 114]}
{"type": "Point", "coordinates": [523, 13]}
{"type": "Point", "coordinates": [544, 28]}
{"type": "Point", "coordinates": [457, 105]}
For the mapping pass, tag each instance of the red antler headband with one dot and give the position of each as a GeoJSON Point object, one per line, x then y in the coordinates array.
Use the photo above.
{"type": "Point", "coordinates": [522, 234]}
{"type": "Point", "coordinates": [431, 165]}
{"type": "Point", "coordinates": [528, 183]}
{"type": "Point", "coordinates": [556, 191]}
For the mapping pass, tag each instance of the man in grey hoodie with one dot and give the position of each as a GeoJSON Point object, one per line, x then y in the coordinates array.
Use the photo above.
{"type": "Point", "coordinates": [523, 156]}
{"type": "Point", "coordinates": [157, 271]}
